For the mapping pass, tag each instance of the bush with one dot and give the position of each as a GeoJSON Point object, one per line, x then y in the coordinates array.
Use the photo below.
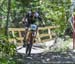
{"type": "Point", "coordinates": [7, 51]}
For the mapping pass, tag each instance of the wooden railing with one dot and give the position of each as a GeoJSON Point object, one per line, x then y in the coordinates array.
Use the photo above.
{"type": "Point", "coordinates": [17, 34]}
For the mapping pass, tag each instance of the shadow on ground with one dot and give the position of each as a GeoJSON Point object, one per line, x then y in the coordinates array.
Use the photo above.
{"type": "Point", "coordinates": [46, 58]}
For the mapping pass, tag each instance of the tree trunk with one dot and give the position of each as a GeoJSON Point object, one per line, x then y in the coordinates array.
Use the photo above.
{"type": "Point", "coordinates": [8, 12]}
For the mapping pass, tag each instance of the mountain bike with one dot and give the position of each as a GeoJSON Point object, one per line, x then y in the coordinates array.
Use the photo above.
{"type": "Point", "coordinates": [30, 38]}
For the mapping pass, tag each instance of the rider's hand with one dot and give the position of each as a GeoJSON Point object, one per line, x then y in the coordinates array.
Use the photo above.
{"type": "Point", "coordinates": [23, 22]}
{"type": "Point", "coordinates": [43, 25]}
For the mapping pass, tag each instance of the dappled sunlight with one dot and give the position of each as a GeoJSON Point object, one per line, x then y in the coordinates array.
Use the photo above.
{"type": "Point", "coordinates": [34, 50]}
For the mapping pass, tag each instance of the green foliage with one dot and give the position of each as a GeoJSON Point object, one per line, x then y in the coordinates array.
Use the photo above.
{"type": "Point", "coordinates": [7, 51]}
{"type": "Point", "coordinates": [53, 12]}
{"type": "Point", "coordinates": [7, 47]}
{"type": "Point", "coordinates": [57, 11]}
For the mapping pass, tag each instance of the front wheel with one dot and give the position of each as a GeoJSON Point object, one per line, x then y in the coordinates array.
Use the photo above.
{"type": "Point", "coordinates": [29, 43]}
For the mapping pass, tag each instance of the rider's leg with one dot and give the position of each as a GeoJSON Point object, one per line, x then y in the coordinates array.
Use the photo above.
{"type": "Point", "coordinates": [24, 40]}
{"type": "Point", "coordinates": [26, 31]}
{"type": "Point", "coordinates": [34, 35]}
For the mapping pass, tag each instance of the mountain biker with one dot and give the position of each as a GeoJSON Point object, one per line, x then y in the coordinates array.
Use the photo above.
{"type": "Point", "coordinates": [29, 21]}
{"type": "Point", "coordinates": [30, 18]}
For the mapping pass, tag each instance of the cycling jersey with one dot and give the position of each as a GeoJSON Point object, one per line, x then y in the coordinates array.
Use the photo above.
{"type": "Point", "coordinates": [32, 18]}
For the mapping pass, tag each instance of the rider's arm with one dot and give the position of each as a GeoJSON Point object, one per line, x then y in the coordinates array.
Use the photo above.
{"type": "Point", "coordinates": [24, 20]}
{"type": "Point", "coordinates": [40, 19]}
{"type": "Point", "coordinates": [38, 16]}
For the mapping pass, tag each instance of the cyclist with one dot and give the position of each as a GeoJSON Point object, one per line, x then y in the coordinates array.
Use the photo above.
{"type": "Point", "coordinates": [29, 21]}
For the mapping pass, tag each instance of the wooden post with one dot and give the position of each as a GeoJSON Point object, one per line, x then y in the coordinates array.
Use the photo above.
{"type": "Point", "coordinates": [13, 33]}
{"type": "Point", "coordinates": [38, 37]}
{"type": "Point", "coordinates": [20, 36]}
{"type": "Point", "coordinates": [19, 33]}
{"type": "Point", "coordinates": [14, 36]}
{"type": "Point", "coordinates": [49, 32]}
